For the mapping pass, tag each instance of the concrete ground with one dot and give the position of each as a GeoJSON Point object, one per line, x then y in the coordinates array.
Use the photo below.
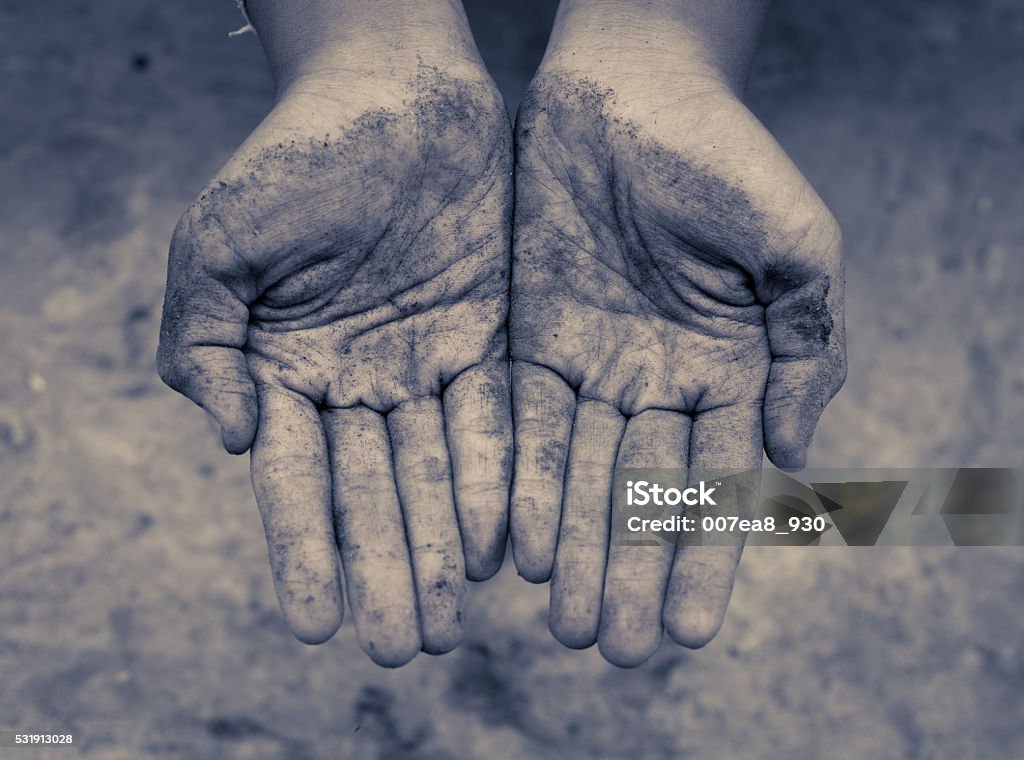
{"type": "Point", "coordinates": [136, 607]}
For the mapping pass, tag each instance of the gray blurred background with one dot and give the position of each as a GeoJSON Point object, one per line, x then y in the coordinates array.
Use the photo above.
{"type": "Point", "coordinates": [136, 606]}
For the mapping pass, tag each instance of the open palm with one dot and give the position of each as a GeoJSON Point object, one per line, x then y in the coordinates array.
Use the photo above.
{"type": "Point", "coordinates": [346, 275]}
{"type": "Point", "coordinates": [676, 303]}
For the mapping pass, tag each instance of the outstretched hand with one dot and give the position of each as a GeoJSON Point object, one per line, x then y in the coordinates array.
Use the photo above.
{"type": "Point", "coordinates": [677, 302]}
{"type": "Point", "coordinates": [337, 299]}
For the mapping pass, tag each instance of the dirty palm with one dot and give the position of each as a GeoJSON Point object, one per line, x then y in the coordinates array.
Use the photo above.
{"type": "Point", "coordinates": [337, 299]}
{"type": "Point", "coordinates": [676, 303]}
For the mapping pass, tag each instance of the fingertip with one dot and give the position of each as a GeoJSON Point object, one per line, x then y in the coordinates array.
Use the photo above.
{"type": "Point", "coordinates": [484, 545]}
{"type": "Point", "coordinates": [312, 608]}
{"type": "Point", "coordinates": [795, 399]}
{"type": "Point", "coordinates": [440, 628]}
{"type": "Point", "coordinates": [217, 380]}
{"type": "Point", "coordinates": [483, 566]}
{"type": "Point", "coordinates": [695, 629]}
{"type": "Point", "coordinates": [238, 418]}
{"type": "Point", "coordinates": [314, 630]}
{"type": "Point", "coordinates": [389, 635]}
{"type": "Point", "coordinates": [787, 436]}
{"type": "Point", "coordinates": [534, 539]}
{"type": "Point", "coordinates": [438, 643]}
{"type": "Point", "coordinates": [393, 654]}
{"type": "Point", "coordinates": [629, 652]}
{"type": "Point", "coordinates": [533, 569]}
{"type": "Point", "coordinates": [238, 440]}
{"type": "Point", "coordinates": [571, 633]}
{"type": "Point", "coordinates": [694, 618]}
{"type": "Point", "coordinates": [699, 593]}
{"type": "Point", "coordinates": [234, 422]}
{"type": "Point", "coordinates": [788, 458]}
{"type": "Point", "coordinates": [574, 616]}
{"type": "Point", "coordinates": [533, 551]}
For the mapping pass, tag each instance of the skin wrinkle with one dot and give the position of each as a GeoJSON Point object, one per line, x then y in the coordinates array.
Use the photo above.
{"type": "Point", "coordinates": [422, 306]}
{"type": "Point", "coordinates": [681, 310]}
{"type": "Point", "coordinates": [735, 311]}
{"type": "Point", "coordinates": [410, 239]}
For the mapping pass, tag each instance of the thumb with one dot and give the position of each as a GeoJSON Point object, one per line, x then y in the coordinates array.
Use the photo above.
{"type": "Point", "coordinates": [204, 327]}
{"type": "Point", "coordinates": [808, 345]}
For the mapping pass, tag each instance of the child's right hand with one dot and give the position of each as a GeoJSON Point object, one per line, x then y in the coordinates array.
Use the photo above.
{"type": "Point", "coordinates": [336, 299]}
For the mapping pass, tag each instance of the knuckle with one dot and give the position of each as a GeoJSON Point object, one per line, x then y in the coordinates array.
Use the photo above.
{"type": "Point", "coordinates": [183, 229]}
{"type": "Point", "coordinates": [813, 237]}
{"type": "Point", "coordinates": [187, 233]}
{"type": "Point", "coordinates": [817, 225]}
{"type": "Point", "coordinates": [204, 237]}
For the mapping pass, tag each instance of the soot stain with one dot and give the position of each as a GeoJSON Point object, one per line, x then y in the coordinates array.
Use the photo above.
{"type": "Point", "coordinates": [439, 112]}
{"type": "Point", "coordinates": [714, 221]}
{"type": "Point", "coordinates": [552, 457]}
{"type": "Point", "coordinates": [807, 314]}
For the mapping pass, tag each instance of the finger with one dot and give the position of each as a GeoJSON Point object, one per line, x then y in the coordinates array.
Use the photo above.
{"type": "Point", "coordinates": [637, 576]}
{"type": "Point", "coordinates": [542, 410]}
{"type": "Point", "coordinates": [371, 536]}
{"type": "Point", "coordinates": [578, 577]}
{"type": "Point", "coordinates": [424, 478]}
{"type": "Point", "coordinates": [807, 337]}
{"type": "Point", "coordinates": [722, 440]}
{"type": "Point", "coordinates": [204, 326]}
{"type": "Point", "coordinates": [292, 482]}
{"type": "Point", "coordinates": [478, 425]}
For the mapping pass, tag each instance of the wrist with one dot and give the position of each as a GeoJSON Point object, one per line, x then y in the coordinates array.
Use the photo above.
{"type": "Point", "coordinates": [670, 44]}
{"type": "Point", "coordinates": [327, 40]}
